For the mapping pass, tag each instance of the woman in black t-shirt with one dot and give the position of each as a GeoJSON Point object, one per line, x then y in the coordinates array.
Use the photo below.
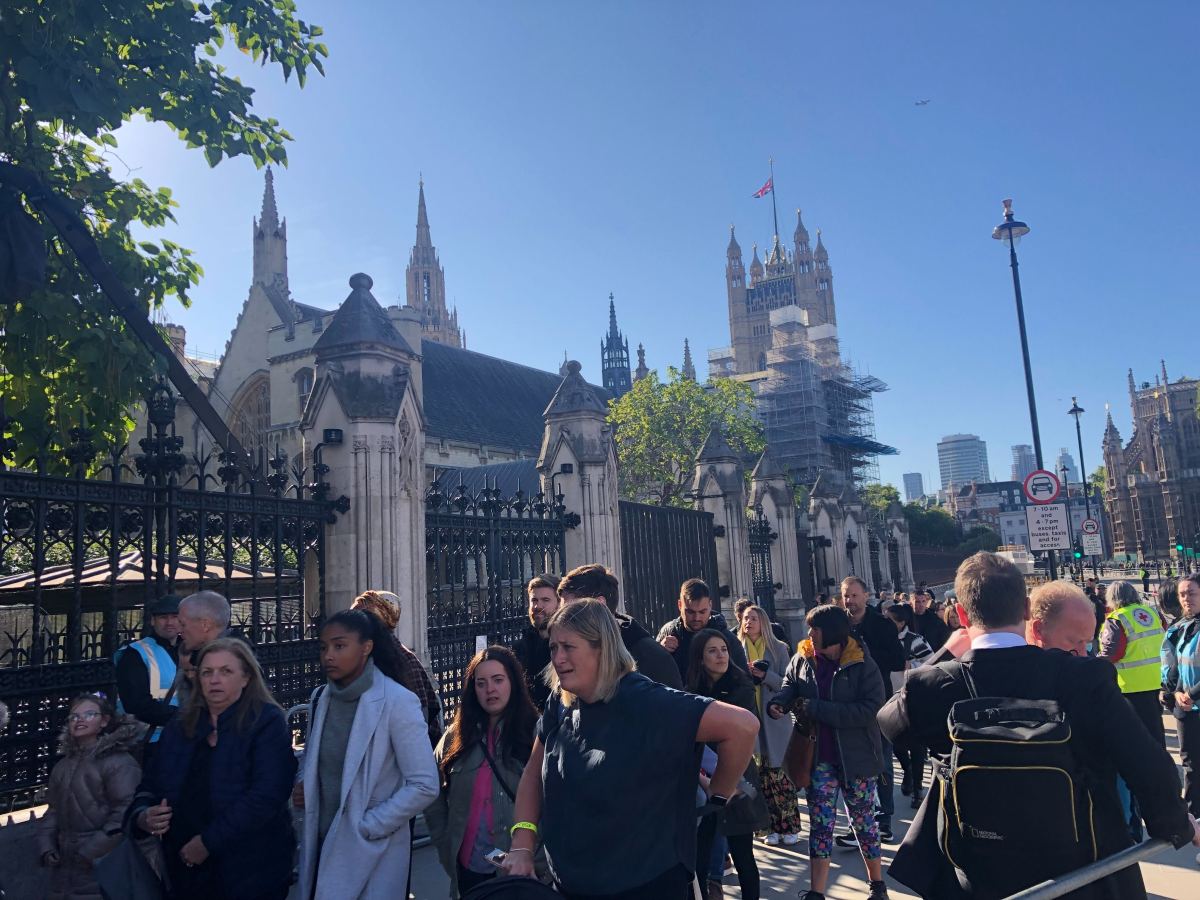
{"type": "Point", "coordinates": [711, 675]}
{"type": "Point", "coordinates": [610, 788]}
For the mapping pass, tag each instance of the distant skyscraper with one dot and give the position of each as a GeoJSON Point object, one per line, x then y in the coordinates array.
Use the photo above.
{"type": "Point", "coordinates": [1066, 459]}
{"type": "Point", "coordinates": [914, 486]}
{"type": "Point", "coordinates": [962, 458]}
{"type": "Point", "coordinates": [1023, 461]}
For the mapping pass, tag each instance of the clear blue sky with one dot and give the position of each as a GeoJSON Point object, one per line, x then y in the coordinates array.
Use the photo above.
{"type": "Point", "coordinates": [571, 150]}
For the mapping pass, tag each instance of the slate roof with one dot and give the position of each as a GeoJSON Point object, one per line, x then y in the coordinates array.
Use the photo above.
{"type": "Point", "coordinates": [360, 320]}
{"type": "Point", "coordinates": [476, 398]}
{"type": "Point", "coordinates": [507, 476]}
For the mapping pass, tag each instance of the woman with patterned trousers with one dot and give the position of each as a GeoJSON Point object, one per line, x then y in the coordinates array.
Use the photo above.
{"type": "Point", "coordinates": [769, 658]}
{"type": "Point", "coordinates": [834, 683]}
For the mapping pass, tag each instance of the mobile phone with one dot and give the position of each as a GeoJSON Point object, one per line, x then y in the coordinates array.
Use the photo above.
{"type": "Point", "coordinates": [496, 857]}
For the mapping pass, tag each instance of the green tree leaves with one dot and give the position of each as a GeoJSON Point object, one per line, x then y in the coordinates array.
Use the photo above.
{"type": "Point", "coordinates": [71, 73]}
{"type": "Point", "coordinates": [661, 426]}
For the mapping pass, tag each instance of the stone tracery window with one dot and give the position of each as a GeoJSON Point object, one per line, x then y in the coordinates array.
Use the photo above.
{"type": "Point", "coordinates": [250, 412]}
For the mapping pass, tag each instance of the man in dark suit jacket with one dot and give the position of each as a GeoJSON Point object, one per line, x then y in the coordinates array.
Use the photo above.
{"type": "Point", "coordinates": [1107, 736]}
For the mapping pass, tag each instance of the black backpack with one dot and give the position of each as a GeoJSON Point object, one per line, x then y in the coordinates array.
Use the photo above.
{"type": "Point", "coordinates": [1015, 805]}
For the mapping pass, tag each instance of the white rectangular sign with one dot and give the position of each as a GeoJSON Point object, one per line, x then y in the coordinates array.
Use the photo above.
{"type": "Point", "coordinates": [1093, 545]}
{"type": "Point", "coordinates": [1048, 528]}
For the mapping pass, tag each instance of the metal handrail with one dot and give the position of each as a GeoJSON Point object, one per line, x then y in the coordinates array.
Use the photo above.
{"type": "Point", "coordinates": [1060, 887]}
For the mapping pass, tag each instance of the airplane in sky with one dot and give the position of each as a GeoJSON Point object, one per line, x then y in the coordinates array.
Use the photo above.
{"type": "Point", "coordinates": [921, 103]}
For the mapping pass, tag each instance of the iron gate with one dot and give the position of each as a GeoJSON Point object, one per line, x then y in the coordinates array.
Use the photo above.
{"type": "Point", "coordinates": [662, 547]}
{"type": "Point", "coordinates": [761, 574]}
{"type": "Point", "coordinates": [481, 549]}
{"type": "Point", "coordinates": [81, 553]}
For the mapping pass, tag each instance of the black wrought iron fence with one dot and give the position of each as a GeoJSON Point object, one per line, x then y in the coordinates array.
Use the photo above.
{"type": "Point", "coordinates": [762, 575]}
{"type": "Point", "coordinates": [481, 549]}
{"type": "Point", "coordinates": [81, 553]}
{"type": "Point", "coordinates": [662, 547]}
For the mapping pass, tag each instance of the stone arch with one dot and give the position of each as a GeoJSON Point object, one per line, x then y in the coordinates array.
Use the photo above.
{"type": "Point", "coordinates": [250, 411]}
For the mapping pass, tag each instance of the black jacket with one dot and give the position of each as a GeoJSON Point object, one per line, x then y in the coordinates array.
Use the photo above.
{"type": "Point", "coordinates": [930, 626]}
{"type": "Point", "coordinates": [676, 629]}
{"type": "Point", "coordinates": [652, 659]}
{"type": "Point", "coordinates": [133, 687]}
{"type": "Point", "coordinates": [855, 697]}
{"type": "Point", "coordinates": [249, 836]}
{"type": "Point", "coordinates": [1109, 740]}
{"type": "Point", "coordinates": [883, 642]}
{"type": "Point", "coordinates": [743, 815]}
{"type": "Point", "coordinates": [533, 651]}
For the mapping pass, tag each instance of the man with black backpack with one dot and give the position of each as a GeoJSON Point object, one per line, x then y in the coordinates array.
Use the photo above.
{"type": "Point", "coordinates": [1028, 744]}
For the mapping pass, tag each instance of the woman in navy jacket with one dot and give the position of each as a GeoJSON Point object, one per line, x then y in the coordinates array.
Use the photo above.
{"type": "Point", "coordinates": [218, 785]}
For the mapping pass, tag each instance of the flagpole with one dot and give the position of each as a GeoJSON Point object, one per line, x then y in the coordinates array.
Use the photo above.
{"type": "Point", "coordinates": [774, 212]}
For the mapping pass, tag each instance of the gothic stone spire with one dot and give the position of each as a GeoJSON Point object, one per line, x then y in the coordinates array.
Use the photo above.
{"type": "Point", "coordinates": [689, 370]}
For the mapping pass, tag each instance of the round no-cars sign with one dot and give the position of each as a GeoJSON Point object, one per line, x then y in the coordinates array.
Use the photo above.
{"type": "Point", "coordinates": [1042, 486]}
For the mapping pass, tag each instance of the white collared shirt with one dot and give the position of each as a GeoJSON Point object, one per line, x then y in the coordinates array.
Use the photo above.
{"type": "Point", "coordinates": [998, 640]}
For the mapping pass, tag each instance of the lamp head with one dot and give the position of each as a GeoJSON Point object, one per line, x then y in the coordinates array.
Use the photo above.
{"type": "Point", "coordinates": [1011, 229]}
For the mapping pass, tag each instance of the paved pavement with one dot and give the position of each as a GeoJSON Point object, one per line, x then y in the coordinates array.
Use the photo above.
{"type": "Point", "coordinates": [1173, 875]}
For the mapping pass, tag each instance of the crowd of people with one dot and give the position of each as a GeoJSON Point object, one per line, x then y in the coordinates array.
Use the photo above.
{"type": "Point", "coordinates": [604, 762]}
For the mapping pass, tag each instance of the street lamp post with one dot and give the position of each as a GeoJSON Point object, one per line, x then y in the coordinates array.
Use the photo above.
{"type": "Point", "coordinates": [1011, 231]}
{"type": "Point", "coordinates": [1068, 561]}
{"type": "Point", "coordinates": [1076, 410]}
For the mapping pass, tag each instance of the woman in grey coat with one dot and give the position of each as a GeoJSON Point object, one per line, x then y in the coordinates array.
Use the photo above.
{"type": "Point", "coordinates": [764, 649]}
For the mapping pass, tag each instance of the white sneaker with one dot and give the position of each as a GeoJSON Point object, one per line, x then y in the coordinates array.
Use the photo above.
{"type": "Point", "coordinates": [772, 839]}
{"type": "Point", "coordinates": [791, 839]}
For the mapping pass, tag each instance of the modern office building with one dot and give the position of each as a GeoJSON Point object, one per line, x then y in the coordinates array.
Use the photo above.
{"type": "Point", "coordinates": [914, 486]}
{"type": "Point", "coordinates": [1023, 462]}
{"type": "Point", "coordinates": [962, 458]}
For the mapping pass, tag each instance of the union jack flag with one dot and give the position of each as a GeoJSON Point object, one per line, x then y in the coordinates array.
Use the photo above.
{"type": "Point", "coordinates": [768, 188]}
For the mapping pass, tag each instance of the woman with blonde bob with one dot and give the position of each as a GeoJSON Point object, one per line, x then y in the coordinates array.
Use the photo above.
{"type": "Point", "coordinates": [769, 658]}
{"type": "Point", "coordinates": [612, 747]}
{"type": "Point", "coordinates": [216, 788]}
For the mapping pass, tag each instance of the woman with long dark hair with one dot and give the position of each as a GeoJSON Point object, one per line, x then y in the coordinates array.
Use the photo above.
{"type": "Point", "coordinates": [368, 767]}
{"type": "Point", "coordinates": [217, 785]}
{"type": "Point", "coordinates": [711, 675]}
{"type": "Point", "coordinates": [480, 759]}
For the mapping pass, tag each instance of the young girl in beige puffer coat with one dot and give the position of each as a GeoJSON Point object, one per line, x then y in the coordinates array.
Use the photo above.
{"type": "Point", "coordinates": [90, 788]}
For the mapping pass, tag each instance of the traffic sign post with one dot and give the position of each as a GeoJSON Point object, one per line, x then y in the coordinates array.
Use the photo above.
{"type": "Point", "coordinates": [1042, 486]}
{"type": "Point", "coordinates": [1049, 528]}
{"type": "Point", "coordinates": [1093, 543]}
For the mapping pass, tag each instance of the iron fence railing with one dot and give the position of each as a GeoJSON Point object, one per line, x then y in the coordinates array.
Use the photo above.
{"type": "Point", "coordinates": [481, 549]}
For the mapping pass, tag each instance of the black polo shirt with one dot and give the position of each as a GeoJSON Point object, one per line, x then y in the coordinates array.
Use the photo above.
{"type": "Point", "coordinates": [619, 786]}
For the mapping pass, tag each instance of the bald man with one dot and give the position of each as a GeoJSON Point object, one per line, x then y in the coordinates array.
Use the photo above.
{"type": "Point", "coordinates": [1061, 617]}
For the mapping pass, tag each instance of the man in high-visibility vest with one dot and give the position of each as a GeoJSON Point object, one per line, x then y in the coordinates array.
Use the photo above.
{"type": "Point", "coordinates": [1131, 640]}
{"type": "Point", "coordinates": [146, 668]}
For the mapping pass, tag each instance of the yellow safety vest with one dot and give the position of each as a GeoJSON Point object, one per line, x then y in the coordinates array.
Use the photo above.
{"type": "Point", "coordinates": [1139, 669]}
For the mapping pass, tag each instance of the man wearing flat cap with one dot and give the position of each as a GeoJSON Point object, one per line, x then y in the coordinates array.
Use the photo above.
{"type": "Point", "coordinates": [146, 667]}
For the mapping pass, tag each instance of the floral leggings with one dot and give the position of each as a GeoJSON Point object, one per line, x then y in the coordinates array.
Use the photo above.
{"type": "Point", "coordinates": [827, 783]}
{"type": "Point", "coordinates": [780, 795]}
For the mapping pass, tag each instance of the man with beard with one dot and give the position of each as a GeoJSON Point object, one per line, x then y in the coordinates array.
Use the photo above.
{"type": "Point", "coordinates": [695, 615]}
{"type": "Point", "coordinates": [533, 647]}
{"type": "Point", "coordinates": [882, 641]}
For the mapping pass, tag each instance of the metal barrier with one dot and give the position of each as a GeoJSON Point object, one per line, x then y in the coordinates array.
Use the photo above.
{"type": "Point", "coordinates": [1110, 865]}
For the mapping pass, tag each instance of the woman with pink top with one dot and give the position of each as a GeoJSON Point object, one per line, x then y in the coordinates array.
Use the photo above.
{"type": "Point", "coordinates": [480, 758]}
